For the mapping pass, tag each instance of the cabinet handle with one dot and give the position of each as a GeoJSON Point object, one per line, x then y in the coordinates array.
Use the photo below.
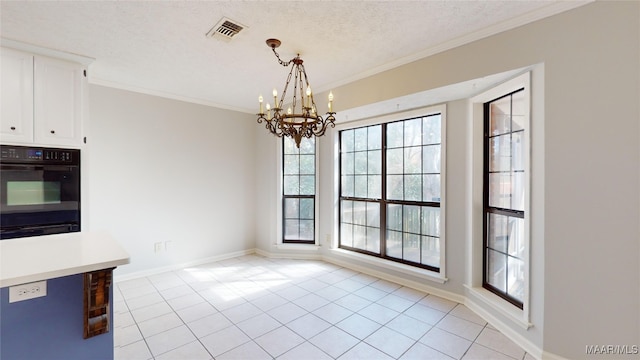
{"type": "Point", "coordinates": [53, 131]}
{"type": "Point", "coordinates": [13, 128]}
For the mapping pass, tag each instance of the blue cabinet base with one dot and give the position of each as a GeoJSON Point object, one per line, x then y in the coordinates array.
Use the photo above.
{"type": "Point", "coordinates": [50, 327]}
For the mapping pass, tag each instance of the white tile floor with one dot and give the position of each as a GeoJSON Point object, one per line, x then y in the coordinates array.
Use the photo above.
{"type": "Point", "coordinates": [252, 307]}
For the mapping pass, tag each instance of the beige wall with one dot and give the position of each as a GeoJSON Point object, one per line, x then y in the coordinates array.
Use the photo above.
{"type": "Point", "coordinates": [585, 234]}
{"type": "Point", "coordinates": [164, 170]}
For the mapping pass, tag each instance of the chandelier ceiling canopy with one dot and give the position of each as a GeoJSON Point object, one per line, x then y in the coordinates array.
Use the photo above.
{"type": "Point", "coordinates": [301, 118]}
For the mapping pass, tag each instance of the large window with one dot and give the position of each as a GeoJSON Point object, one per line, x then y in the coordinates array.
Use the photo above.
{"type": "Point", "coordinates": [299, 189]}
{"type": "Point", "coordinates": [390, 194]}
{"type": "Point", "coordinates": [505, 133]}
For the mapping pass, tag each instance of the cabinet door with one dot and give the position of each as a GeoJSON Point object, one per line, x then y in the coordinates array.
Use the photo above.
{"type": "Point", "coordinates": [16, 98]}
{"type": "Point", "coordinates": [58, 87]}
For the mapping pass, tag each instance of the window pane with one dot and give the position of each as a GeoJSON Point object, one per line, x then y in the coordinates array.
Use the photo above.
{"type": "Point", "coordinates": [500, 190]}
{"type": "Point", "coordinates": [306, 230]}
{"type": "Point", "coordinates": [308, 145]}
{"type": "Point", "coordinates": [374, 162]}
{"type": "Point", "coordinates": [361, 183]}
{"type": "Point", "coordinates": [500, 153]}
{"type": "Point", "coordinates": [346, 140]}
{"type": "Point", "coordinates": [394, 217]}
{"type": "Point", "coordinates": [412, 132]}
{"type": "Point", "coordinates": [360, 213]}
{"type": "Point", "coordinates": [346, 235]}
{"type": "Point", "coordinates": [411, 219]}
{"type": "Point", "coordinates": [373, 240]}
{"type": "Point", "coordinates": [361, 162]}
{"type": "Point", "coordinates": [347, 185]}
{"type": "Point", "coordinates": [307, 164]}
{"type": "Point", "coordinates": [307, 185]}
{"type": "Point", "coordinates": [413, 160]}
{"type": "Point", "coordinates": [430, 221]}
{"type": "Point", "coordinates": [359, 237]}
{"type": "Point", "coordinates": [431, 159]}
{"type": "Point", "coordinates": [395, 159]}
{"type": "Point", "coordinates": [517, 151]}
{"type": "Point", "coordinates": [291, 208]}
{"type": "Point", "coordinates": [500, 116]}
{"type": "Point", "coordinates": [348, 163]}
{"type": "Point", "coordinates": [291, 185]}
{"type": "Point", "coordinates": [395, 134]}
{"type": "Point", "coordinates": [516, 237]}
{"type": "Point", "coordinates": [515, 286]}
{"type": "Point", "coordinates": [431, 251]}
{"type": "Point", "coordinates": [498, 232]}
{"type": "Point", "coordinates": [431, 187]}
{"type": "Point", "coordinates": [395, 187]}
{"type": "Point", "coordinates": [291, 164]}
{"type": "Point", "coordinates": [431, 129]}
{"type": "Point", "coordinates": [496, 270]}
{"type": "Point", "coordinates": [374, 186]}
{"type": "Point", "coordinates": [375, 137]}
{"type": "Point", "coordinates": [394, 244]}
{"type": "Point", "coordinates": [411, 247]}
{"type": "Point", "coordinates": [307, 209]}
{"type": "Point", "coordinates": [289, 146]}
{"type": "Point", "coordinates": [360, 139]}
{"type": "Point", "coordinates": [413, 187]}
{"type": "Point", "coordinates": [518, 111]}
{"type": "Point", "coordinates": [373, 215]}
{"type": "Point", "coordinates": [291, 229]}
{"type": "Point", "coordinates": [346, 211]}
{"type": "Point", "coordinates": [517, 197]}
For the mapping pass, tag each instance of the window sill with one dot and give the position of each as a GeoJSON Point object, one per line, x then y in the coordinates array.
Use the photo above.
{"type": "Point", "coordinates": [500, 305]}
{"type": "Point", "coordinates": [298, 247]}
{"type": "Point", "coordinates": [390, 265]}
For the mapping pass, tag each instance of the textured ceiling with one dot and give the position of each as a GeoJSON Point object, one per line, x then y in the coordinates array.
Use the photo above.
{"type": "Point", "coordinates": [160, 47]}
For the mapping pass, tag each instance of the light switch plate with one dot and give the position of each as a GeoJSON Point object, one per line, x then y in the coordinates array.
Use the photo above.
{"type": "Point", "coordinates": [27, 291]}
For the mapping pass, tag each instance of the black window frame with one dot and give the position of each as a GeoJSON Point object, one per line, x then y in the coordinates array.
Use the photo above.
{"type": "Point", "coordinates": [488, 209]}
{"type": "Point", "coordinates": [383, 200]}
{"type": "Point", "coordinates": [298, 196]}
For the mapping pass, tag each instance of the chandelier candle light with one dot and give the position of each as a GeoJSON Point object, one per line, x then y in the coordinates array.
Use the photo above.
{"type": "Point", "coordinates": [301, 118]}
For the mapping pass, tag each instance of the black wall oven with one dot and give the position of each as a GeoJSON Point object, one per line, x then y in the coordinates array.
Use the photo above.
{"type": "Point", "coordinates": [39, 191]}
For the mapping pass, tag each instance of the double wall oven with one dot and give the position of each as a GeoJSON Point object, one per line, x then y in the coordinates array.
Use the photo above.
{"type": "Point", "coordinates": [39, 191]}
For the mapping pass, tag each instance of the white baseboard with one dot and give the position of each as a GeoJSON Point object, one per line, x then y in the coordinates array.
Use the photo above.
{"type": "Point", "coordinates": [172, 267]}
{"type": "Point", "coordinates": [507, 331]}
{"type": "Point", "coordinates": [289, 255]}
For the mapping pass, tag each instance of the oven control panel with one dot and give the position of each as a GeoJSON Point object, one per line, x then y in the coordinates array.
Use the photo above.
{"type": "Point", "coordinates": [30, 154]}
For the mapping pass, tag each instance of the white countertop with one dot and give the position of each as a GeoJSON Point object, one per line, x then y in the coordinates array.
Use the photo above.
{"type": "Point", "coordinates": [25, 260]}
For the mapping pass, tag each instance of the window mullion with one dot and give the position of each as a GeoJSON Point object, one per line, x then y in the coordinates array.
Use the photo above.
{"type": "Point", "coordinates": [383, 195]}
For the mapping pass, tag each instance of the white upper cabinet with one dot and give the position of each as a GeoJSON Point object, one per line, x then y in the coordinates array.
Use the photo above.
{"type": "Point", "coordinates": [57, 102]}
{"type": "Point", "coordinates": [16, 98]}
{"type": "Point", "coordinates": [42, 100]}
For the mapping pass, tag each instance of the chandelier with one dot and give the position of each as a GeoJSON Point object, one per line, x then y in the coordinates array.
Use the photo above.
{"type": "Point", "coordinates": [301, 118]}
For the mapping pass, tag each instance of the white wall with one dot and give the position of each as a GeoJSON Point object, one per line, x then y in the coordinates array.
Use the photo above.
{"type": "Point", "coordinates": [585, 219]}
{"type": "Point", "coordinates": [162, 170]}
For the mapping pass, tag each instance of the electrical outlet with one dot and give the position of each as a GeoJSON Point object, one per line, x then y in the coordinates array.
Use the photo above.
{"type": "Point", "coordinates": [157, 247]}
{"type": "Point", "coordinates": [27, 291]}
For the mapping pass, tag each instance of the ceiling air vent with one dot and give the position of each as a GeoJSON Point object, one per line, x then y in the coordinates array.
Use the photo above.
{"type": "Point", "coordinates": [225, 29]}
